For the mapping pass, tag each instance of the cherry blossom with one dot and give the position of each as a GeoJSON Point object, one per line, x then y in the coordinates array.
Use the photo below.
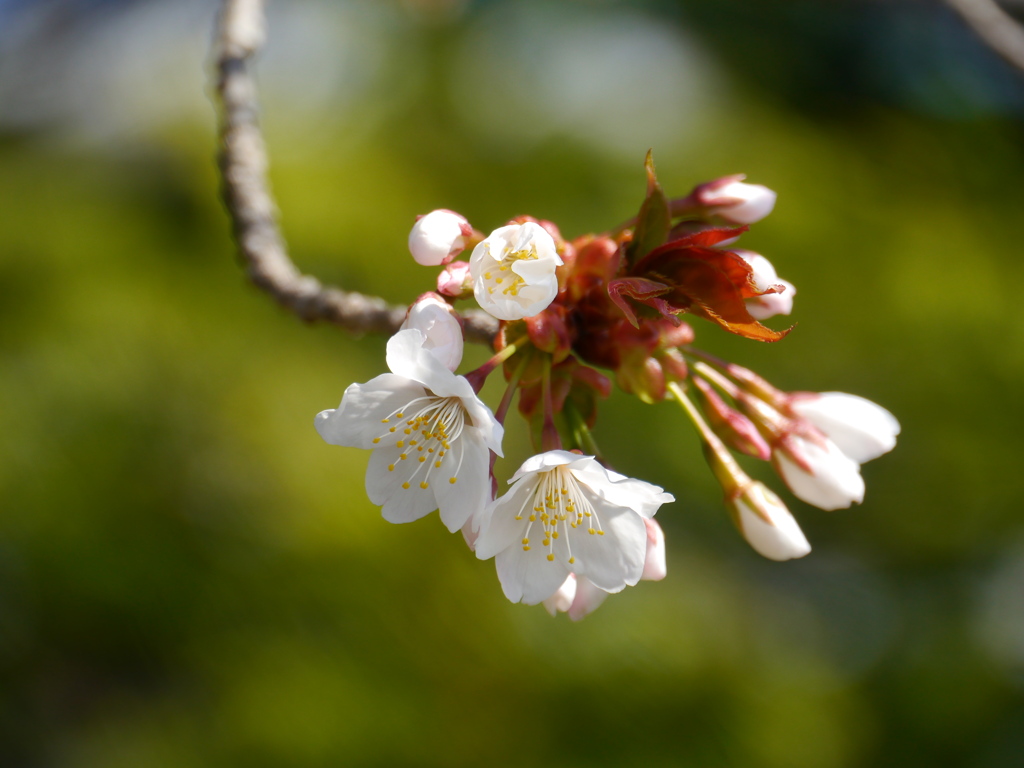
{"type": "Point", "coordinates": [565, 513]}
{"type": "Point", "coordinates": [513, 271]}
{"type": "Point", "coordinates": [430, 435]}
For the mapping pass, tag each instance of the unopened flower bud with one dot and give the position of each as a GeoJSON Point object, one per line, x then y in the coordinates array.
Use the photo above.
{"type": "Point", "coordinates": [736, 201]}
{"type": "Point", "coordinates": [738, 431]}
{"type": "Point", "coordinates": [438, 237]}
{"type": "Point", "coordinates": [862, 429]}
{"type": "Point", "coordinates": [818, 472]}
{"type": "Point", "coordinates": [655, 567]}
{"type": "Point", "coordinates": [766, 524]}
{"type": "Point", "coordinates": [765, 278]}
{"type": "Point", "coordinates": [432, 317]}
{"type": "Point", "coordinates": [561, 601]}
{"type": "Point", "coordinates": [643, 377]}
{"type": "Point", "coordinates": [673, 365]}
{"type": "Point", "coordinates": [549, 332]}
{"type": "Point", "coordinates": [455, 281]}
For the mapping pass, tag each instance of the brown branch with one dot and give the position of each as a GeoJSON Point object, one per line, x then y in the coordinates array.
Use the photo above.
{"type": "Point", "coordinates": [243, 166]}
{"type": "Point", "coordinates": [996, 28]}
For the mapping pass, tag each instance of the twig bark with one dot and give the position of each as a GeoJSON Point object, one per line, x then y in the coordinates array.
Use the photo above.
{"type": "Point", "coordinates": [242, 160]}
{"type": "Point", "coordinates": [996, 28]}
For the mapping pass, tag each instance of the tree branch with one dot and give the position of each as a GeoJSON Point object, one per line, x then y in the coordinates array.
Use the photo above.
{"type": "Point", "coordinates": [996, 28]}
{"type": "Point", "coordinates": [242, 160]}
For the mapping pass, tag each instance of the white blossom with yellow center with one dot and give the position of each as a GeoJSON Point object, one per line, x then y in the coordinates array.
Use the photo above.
{"type": "Point", "coordinates": [513, 271]}
{"type": "Point", "coordinates": [431, 436]}
{"type": "Point", "coordinates": [565, 513]}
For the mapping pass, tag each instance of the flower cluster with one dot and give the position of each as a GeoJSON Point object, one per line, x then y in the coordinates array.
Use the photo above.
{"type": "Point", "coordinates": [569, 530]}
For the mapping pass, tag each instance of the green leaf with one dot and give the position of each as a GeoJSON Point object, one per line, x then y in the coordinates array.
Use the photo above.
{"type": "Point", "coordinates": [653, 222]}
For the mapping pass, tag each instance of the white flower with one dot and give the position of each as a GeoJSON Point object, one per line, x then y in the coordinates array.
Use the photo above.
{"type": "Point", "coordinates": [770, 304]}
{"type": "Point", "coordinates": [431, 437]}
{"type": "Point", "coordinates": [818, 472]}
{"type": "Point", "coordinates": [741, 203]}
{"type": "Point", "coordinates": [434, 319]}
{"type": "Point", "coordinates": [862, 429]}
{"type": "Point", "coordinates": [766, 524]}
{"type": "Point", "coordinates": [514, 271]}
{"type": "Point", "coordinates": [438, 237]}
{"type": "Point", "coordinates": [565, 513]}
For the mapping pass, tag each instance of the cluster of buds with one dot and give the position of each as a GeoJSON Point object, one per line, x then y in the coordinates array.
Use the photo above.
{"type": "Point", "coordinates": [575, 316]}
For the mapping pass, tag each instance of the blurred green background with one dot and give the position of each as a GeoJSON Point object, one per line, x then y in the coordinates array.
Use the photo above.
{"type": "Point", "coordinates": [189, 576]}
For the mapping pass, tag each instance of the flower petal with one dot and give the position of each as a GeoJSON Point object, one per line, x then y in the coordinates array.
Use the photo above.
{"type": "Point", "coordinates": [528, 576]}
{"type": "Point", "coordinates": [466, 498]}
{"type": "Point", "coordinates": [408, 357]}
{"type": "Point", "coordinates": [545, 461]}
{"type": "Point", "coordinates": [442, 333]}
{"type": "Point", "coordinates": [642, 497]}
{"type": "Point", "coordinates": [482, 419]}
{"type": "Point", "coordinates": [588, 598]}
{"type": "Point", "coordinates": [563, 597]}
{"type": "Point", "coordinates": [863, 430]}
{"type": "Point", "coordinates": [655, 566]}
{"type": "Point", "coordinates": [781, 538]}
{"type": "Point", "coordinates": [384, 487]}
{"type": "Point", "coordinates": [499, 528]}
{"type": "Point", "coordinates": [616, 559]}
{"type": "Point", "coordinates": [358, 420]}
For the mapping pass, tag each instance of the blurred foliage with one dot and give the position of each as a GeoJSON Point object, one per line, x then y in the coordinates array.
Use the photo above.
{"type": "Point", "coordinates": [190, 577]}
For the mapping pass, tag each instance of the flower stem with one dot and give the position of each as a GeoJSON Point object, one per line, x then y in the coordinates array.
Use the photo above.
{"type": "Point", "coordinates": [581, 432]}
{"type": "Point", "coordinates": [479, 376]}
{"type": "Point", "coordinates": [732, 478]}
{"type": "Point", "coordinates": [550, 439]}
{"type": "Point", "coordinates": [510, 390]}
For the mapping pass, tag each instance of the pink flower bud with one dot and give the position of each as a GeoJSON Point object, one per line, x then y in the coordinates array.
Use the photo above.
{"type": "Point", "coordinates": [561, 601]}
{"type": "Point", "coordinates": [456, 281]}
{"type": "Point", "coordinates": [766, 524]}
{"type": "Point", "coordinates": [818, 472]}
{"type": "Point", "coordinates": [738, 431]}
{"type": "Point", "coordinates": [438, 237]}
{"type": "Point", "coordinates": [862, 429]}
{"type": "Point", "coordinates": [736, 201]}
{"type": "Point", "coordinates": [655, 567]}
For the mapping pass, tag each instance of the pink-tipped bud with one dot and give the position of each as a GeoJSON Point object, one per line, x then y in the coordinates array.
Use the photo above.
{"type": "Point", "coordinates": [766, 524]}
{"type": "Point", "coordinates": [818, 473]}
{"type": "Point", "coordinates": [862, 429]}
{"type": "Point", "coordinates": [456, 281]}
{"type": "Point", "coordinates": [438, 237]}
{"type": "Point", "coordinates": [733, 427]}
{"type": "Point", "coordinates": [736, 201]}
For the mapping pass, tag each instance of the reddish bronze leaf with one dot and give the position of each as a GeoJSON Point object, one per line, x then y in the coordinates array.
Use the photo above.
{"type": "Point", "coordinates": [637, 288]}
